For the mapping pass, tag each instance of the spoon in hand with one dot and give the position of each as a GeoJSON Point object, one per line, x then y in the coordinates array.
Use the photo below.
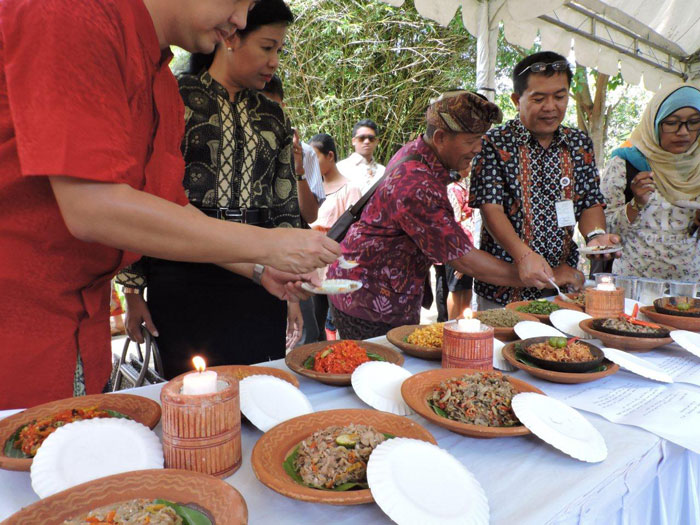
{"type": "Point", "coordinates": [561, 295]}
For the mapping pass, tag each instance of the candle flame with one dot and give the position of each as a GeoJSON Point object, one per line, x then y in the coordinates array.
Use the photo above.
{"type": "Point", "coordinates": [468, 314]}
{"type": "Point", "coordinates": [199, 363]}
{"type": "Point", "coordinates": [606, 279]}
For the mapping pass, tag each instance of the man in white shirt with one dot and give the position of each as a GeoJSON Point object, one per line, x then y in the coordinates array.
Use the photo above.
{"type": "Point", "coordinates": [360, 167]}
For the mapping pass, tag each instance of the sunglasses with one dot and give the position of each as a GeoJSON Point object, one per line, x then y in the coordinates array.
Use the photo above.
{"type": "Point", "coordinates": [541, 67]}
{"type": "Point", "coordinates": [363, 138]}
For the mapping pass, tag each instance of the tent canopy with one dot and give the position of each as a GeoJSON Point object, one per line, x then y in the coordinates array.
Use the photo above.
{"type": "Point", "coordinates": [653, 40]}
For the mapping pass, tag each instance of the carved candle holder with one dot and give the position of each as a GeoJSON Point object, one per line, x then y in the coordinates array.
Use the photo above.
{"type": "Point", "coordinates": [467, 349]}
{"type": "Point", "coordinates": [202, 432]}
{"type": "Point", "coordinates": [604, 303]}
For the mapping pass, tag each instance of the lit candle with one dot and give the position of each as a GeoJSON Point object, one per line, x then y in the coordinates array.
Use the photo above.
{"type": "Point", "coordinates": [605, 285]}
{"type": "Point", "coordinates": [200, 382]}
{"type": "Point", "coordinates": [469, 323]}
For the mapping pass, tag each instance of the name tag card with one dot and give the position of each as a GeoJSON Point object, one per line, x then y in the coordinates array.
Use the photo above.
{"type": "Point", "coordinates": [565, 213]}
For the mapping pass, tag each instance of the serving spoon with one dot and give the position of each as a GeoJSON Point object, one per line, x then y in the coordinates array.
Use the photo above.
{"type": "Point", "coordinates": [561, 295]}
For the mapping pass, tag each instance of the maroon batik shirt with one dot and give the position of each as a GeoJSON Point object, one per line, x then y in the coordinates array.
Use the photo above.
{"type": "Point", "coordinates": [407, 225]}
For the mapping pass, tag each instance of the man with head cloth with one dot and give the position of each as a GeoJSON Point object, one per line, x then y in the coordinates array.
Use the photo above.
{"type": "Point", "coordinates": [409, 224]}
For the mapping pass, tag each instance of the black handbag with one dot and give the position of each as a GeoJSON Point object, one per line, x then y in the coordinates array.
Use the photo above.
{"type": "Point", "coordinates": [341, 226]}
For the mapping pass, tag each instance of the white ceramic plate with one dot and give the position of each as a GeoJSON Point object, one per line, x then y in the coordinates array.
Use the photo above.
{"type": "Point", "coordinates": [268, 401]}
{"type": "Point", "coordinates": [592, 251]}
{"type": "Point", "coordinates": [91, 449]}
{"type": "Point", "coordinates": [689, 341]}
{"type": "Point", "coordinates": [561, 426]}
{"type": "Point", "coordinates": [499, 361]}
{"type": "Point", "coordinates": [637, 365]}
{"type": "Point", "coordinates": [567, 321]}
{"type": "Point", "coordinates": [416, 483]}
{"type": "Point", "coordinates": [528, 329]}
{"type": "Point", "coordinates": [379, 385]}
{"type": "Point", "coordinates": [333, 286]}
{"type": "Point", "coordinates": [693, 205]}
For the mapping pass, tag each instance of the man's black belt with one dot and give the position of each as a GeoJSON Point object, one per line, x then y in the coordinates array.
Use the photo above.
{"type": "Point", "coordinates": [253, 216]}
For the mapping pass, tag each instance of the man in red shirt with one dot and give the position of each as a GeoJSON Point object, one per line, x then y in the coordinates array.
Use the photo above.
{"type": "Point", "coordinates": [91, 123]}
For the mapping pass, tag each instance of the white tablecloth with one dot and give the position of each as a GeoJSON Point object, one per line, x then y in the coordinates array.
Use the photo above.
{"type": "Point", "coordinates": [644, 480]}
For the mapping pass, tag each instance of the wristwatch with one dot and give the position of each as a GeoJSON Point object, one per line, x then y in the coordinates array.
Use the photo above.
{"type": "Point", "coordinates": [258, 270]}
{"type": "Point", "coordinates": [131, 289]}
{"type": "Point", "coordinates": [594, 233]}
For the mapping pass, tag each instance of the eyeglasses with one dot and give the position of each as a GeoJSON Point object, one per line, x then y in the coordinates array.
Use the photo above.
{"type": "Point", "coordinates": [541, 67]}
{"type": "Point", "coordinates": [674, 126]}
{"type": "Point", "coordinates": [363, 138]}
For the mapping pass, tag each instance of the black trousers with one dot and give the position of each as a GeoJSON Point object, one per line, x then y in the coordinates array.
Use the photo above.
{"type": "Point", "coordinates": [202, 309]}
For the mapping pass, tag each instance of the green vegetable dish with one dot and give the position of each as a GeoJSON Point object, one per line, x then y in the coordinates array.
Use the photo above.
{"type": "Point", "coordinates": [334, 458]}
{"type": "Point", "coordinates": [539, 306]}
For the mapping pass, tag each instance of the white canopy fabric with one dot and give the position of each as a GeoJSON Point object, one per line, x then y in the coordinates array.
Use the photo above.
{"type": "Point", "coordinates": [651, 41]}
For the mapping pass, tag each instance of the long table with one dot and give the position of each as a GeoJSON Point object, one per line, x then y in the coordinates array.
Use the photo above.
{"type": "Point", "coordinates": [644, 480]}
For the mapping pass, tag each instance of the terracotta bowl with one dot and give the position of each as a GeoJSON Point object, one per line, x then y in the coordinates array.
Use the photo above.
{"type": "Point", "coordinates": [295, 360]}
{"type": "Point", "coordinates": [416, 389]}
{"type": "Point", "coordinates": [243, 371]}
{"type": "Point", "coordinates": [138, 408]}
{"type": "Point", "coordinates": [675, 321]}
{"type": "Point", "coordinates": [397, 337]}
{"type": "Point", "coordinates": [217, 498]}
{"type": "Point", "coordinates": [274, 447]}
{"type": "Point", "coordinates": [568, 306]}
{"type": "Point", "coordinates": [667, 306]}
{"type": "Point", "coordinates": [557, 377]}
{"type": "Point", "coordinates": [540, 317]}
{"type": "Point", "coordinates": [639, 344]}
{"type": "Point", "coordinates": [558, 366]}
{"type": "Point", "coordinates": [508, 334]}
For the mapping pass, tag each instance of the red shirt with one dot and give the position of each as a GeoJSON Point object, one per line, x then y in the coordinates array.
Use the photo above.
{"type": "Point", "coordinates": [407, 225]}
{"type": "Point", "coordinates": [85, 92]}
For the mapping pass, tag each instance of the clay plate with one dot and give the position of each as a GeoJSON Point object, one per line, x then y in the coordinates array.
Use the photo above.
{"type": "Point", "coordinates": [138, 408]}
{"type": "Point", "coordinates": [243, 371]}
{"type": "Point", "coordinates": [219, 499]}
{"type": "Point", "coordinates": [624, 342]}
{"type": "Point", "coordinates": [295, 360]}
{"type": "Point", "coordinates": [676, 321]}
{"type": "Point", "coordinates": [275, 445]}
{"type": "Point", "coordinates": [662, 306]}
{"type": "Point", "coordinates": [540, 317]}
{"type": "Point", "coordinates": [508, 334]}
{"type": "Point", "coordinates": [416, 389]}
{"type": "Point", "coordinates": [397, 337]}
{"type": "Point", "coordinates": [568, 306]}
{"type": "Point", "coordinates": [570, 378]}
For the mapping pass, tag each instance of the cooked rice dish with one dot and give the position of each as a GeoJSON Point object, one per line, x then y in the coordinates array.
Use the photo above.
{"type": "Point", "coordinates": [623, 325]}
{"type": "Point", "coordinates": [574, 352]}
{"type": "Point", "coordinates": [483, 398]}
{"type": "Point", "coordinates": [337, 455]}
{"type": "Point", "coordinates": [132, 512]}
{"type": "Point", "coordinates": [430, 336]}
{"type": "Point", "coordinates": [498, 318]}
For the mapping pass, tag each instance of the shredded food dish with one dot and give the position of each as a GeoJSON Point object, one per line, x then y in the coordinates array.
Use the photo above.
{"type": "Point", "coordinates": [624, 325]}
{"type": "Point", "coordinates": [33, 435]}
{"type": "Point", "coordinates": [337, 455]}
{"type": "Point", "coordinates": [341, 358]}
{"type": "Point", "coordinates": [137, 511]}
{"type": "Point", "coordinates": [430, 336]}
{"type": "Point", "coordinates": [560, 350]}
{"type": "Point", "coordinates": [498, 318]}
{"type": "Point", "coordinates": [483, 398]}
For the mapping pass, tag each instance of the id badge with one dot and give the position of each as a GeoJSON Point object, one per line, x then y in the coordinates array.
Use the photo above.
{"type": "Point", "coordinates": [565, 213]}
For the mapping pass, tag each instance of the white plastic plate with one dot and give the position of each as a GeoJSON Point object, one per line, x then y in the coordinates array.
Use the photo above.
{"type": "Point", "coordinates": [415, 483]}
{"type": "Point", "coordinates": [91, 449]}
{"type": "Point", "coordinates": [498, 359]}
{"type": "Point", "coordinates": [561, 426]}
{"type": "Point", "coordinates": [528, 329]}
{"type": "Point", "coordinates": [593, 251]}
{"type": "Point", "coordinates": [689, 341]}
{"type": "Point", "coordinates": [379, 385]}
{"type": "Point", "coordinates": [333, 286]}
{"type": "Point", "coordinates": [637, 365]}
{"type": "Point", "coordinates": [567, 321]}
{"type": "Point", "coordinates": [267, 401]}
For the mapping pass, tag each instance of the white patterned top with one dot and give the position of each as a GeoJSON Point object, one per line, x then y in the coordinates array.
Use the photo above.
{"type": "Point", "coordinates": [656, 244]}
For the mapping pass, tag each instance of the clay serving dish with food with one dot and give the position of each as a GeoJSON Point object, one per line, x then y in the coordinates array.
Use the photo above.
{"type": "Point", "coordinates": [625, 342]}
{"type": "Point", "coordinates": [560, 345]}
{"type": "Point", "coordinates": [680, 306]}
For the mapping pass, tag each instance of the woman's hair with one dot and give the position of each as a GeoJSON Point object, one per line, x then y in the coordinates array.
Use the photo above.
{"type": "Point", "coordinates": [324, 143]}
{"type": "Point", "coordinates": [264, 13]}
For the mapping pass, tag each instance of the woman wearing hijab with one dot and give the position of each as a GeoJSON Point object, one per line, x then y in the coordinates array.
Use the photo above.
{"type": "Point", "coordinates": [657, 167]}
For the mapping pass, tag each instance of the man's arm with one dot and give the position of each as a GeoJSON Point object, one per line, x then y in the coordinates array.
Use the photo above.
{"type": "Point", "coordinates": [308, 205]}
{"type": "Point", "coordinates": [532, 267]}
{"type": "Point", "coordinates": [485, 267]}
{"type": "Point", "coordinates": [118, 215]}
